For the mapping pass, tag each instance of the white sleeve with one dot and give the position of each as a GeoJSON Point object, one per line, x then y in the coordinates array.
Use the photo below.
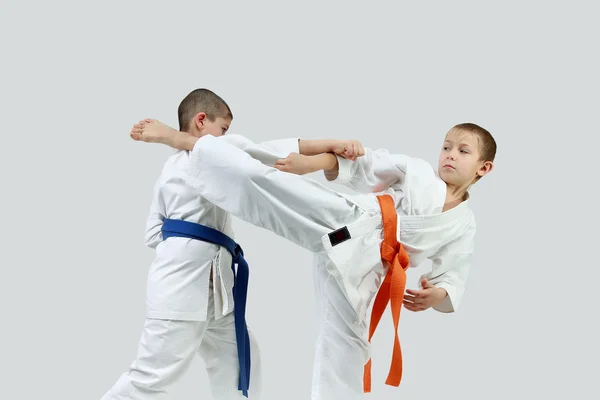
{"type": "Point", "coordinates": [154, 222]}
{"type": "Point", "coordinates": [376, 171]}
{"type": "Point", "coordinates": [450, 269]}
{"type": "Point", "coordinates": [267, 152]}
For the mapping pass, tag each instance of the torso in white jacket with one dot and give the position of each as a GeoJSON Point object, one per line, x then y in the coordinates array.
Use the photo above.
{"type": "Point", "coordinates": [446, 238]}
{"type": "Point", "coordinates": [178, 279]}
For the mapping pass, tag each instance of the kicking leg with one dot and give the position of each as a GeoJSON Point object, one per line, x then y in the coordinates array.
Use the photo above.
{"type": "Point", "coordinates": [288, 205]}
{"type": "Point", "coordinates": [224, 171]}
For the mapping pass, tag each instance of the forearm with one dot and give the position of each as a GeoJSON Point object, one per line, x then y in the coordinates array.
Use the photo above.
{"type": "Point", "coordinates": [449, 273]}
{"type": "Point", "coordinates": [301, 164]}
{"type": "Point", "coordinates": [326, 162]}
{"type": "Point", "coordinates": [154, 222]}
{"type": "Point", "coordinates": [315, 147]}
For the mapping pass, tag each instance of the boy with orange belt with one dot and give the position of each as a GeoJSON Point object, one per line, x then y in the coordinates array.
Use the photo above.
{"type": "Point", "coordinates": [353, 236]}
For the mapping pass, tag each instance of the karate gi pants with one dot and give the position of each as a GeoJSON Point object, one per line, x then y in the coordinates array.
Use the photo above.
{"type": "Point", "coordinates": [165, 353]}
{"type": "Point", "coordinates": [302, 211]}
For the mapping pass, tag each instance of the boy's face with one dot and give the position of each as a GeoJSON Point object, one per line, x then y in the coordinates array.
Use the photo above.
{"type": "Point", "coordinates": [459, 162]}
{"type": "Point", "coordinates": [205, 126]}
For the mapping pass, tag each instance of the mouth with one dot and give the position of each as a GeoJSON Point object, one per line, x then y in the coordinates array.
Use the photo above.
{"type": "Point", "coordinates": [449, 166]}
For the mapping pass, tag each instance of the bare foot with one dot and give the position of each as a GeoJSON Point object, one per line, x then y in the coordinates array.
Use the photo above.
{"type": "Point", "coordinates": [138, 129]}
{"type": "Point", "coordinates": [153, 131]}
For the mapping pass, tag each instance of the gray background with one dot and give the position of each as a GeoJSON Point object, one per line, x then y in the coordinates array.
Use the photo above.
{"type": "Point", "coordinates": [76, 190]}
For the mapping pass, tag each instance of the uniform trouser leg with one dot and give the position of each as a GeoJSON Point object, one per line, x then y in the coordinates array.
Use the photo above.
{"type": "Point", "coordinates": [219, 352]}
{"type": "Point", "coordinates": [166, 351]}
{"type": "Point", "coordinates": [288, 205]}
{"type": "Point", "coordinates": [342, 346]}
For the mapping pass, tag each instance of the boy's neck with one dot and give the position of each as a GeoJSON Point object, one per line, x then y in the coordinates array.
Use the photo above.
{"type": "Point", "coordinates": [454, 196]}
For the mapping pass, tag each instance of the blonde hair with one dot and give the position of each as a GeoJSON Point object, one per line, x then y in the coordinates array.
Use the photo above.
{"type": "Point", "coordinates": [487, 144]}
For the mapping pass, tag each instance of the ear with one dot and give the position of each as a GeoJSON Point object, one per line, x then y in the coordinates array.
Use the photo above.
{"type": "Point", "coordinates": [485, 168]}
{"type": "Point", "coordinates": [199, 120]}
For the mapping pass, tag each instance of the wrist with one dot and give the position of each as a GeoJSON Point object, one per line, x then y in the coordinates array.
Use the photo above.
{"type": "Point", "coordinates": [330, 146]}
{"type": "Point", "coordinates": [442, 293]}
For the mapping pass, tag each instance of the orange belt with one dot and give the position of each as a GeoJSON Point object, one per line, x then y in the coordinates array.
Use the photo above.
{"type": "Point", "coordinates": [391, 290]}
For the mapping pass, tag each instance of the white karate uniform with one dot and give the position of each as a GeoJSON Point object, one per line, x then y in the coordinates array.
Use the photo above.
{"type": "Point", "coordinates": [348, 275]}
{"type": "Point", "coordinates": [186, 311]}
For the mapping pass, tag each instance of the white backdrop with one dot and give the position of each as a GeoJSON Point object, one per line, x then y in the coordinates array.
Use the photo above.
{"type": "Point", "coordinates": [76, 189]}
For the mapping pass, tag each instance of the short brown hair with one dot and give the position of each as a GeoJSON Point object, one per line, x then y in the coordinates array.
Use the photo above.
{"type": "Point", "coordinates": [487, 144]}
{"type": "Point", "coordinates": [201, 100]}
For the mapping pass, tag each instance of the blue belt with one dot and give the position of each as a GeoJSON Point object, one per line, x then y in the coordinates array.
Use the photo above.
{"type": "Point", "coordinates": [178, 228]}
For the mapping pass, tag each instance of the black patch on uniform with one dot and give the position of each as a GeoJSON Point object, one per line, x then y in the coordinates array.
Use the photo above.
{"type": "Point", "coordinates": [339, 236]}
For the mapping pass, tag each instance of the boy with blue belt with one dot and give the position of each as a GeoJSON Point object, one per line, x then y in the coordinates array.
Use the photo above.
{"type": "Point", "coordinates": [195, 300]}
